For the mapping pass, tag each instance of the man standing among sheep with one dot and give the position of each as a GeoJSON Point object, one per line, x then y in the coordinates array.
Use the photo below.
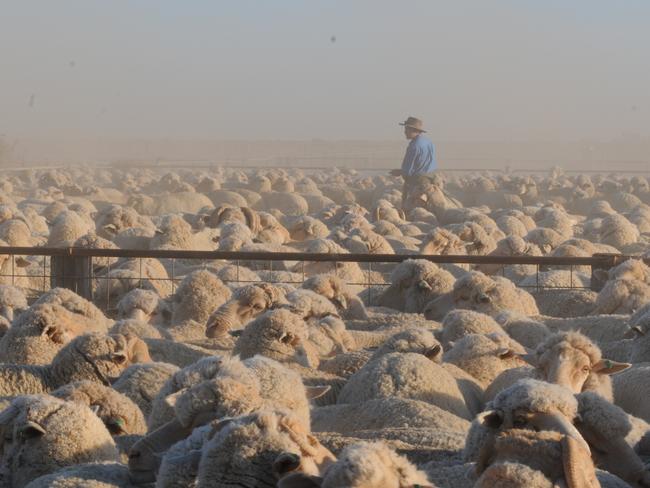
{"type": "Point", "coordinates": [420, 159]}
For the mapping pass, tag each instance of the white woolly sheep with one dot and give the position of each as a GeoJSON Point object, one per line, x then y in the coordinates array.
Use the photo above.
{"type": "Point", "coordinates": [476, 291]}
{"type": "Point", "coordinates": [120, 415]}
{"type": "Point", "coordinates": [459, 323]}
{"type": "Point", "coordinates": [414, 283]}
{"type": "Point", "coordinates": [75, 304]}
{"type": "Point", "coordinates": [94, 357]}
{"type": "Point", "coordinates": [91, 475]}
{"type": "Point", "coordinates": [232, 457]}
{"type": "Point", "coordinates": [39, 333]}
{"type": "Point", "coordinates": [442, 241]}
{"type": "Point", "coordinates": [484, 357]}
{"type": "Point", "coordinates": [348, 305]}
{"type": "Point", "coordinates": [383, 413]}
{"type": "Point", "coordinates": [280, 335]}
{"type": "Point", "coordinates": [43, 434]}
{"type": "Point", "coordinates": [217, 393]}
{"type": "Point", "coordinates": [362, 465]}
{"type": "Point", "coordinates": [525, 330]}
{"type": "Point", "coordinates": [527, 403]}
{"type": "Point", "coordinates": [141, 383]}
{"type": "Point", "coordinates": [605, 427]}
{"type": "Point", "coordinates": [405, 375]}
{"type": "Point", "coordinates": [12, 302]}
{"type": "Point", "coordinates": [145, 306]}
{"type": "Point", "coordinates": [569, 359]}
{"type": "Point", "coordinates": [521, 458]}
{"type": "Point", "coordinates": [245, 304]}
{"type": "Point", "coordinates": [199, 294]}
{"type": "Point", "coordinates": [627, 289]}
{"type": "Point", "coordinates": [67, 227]}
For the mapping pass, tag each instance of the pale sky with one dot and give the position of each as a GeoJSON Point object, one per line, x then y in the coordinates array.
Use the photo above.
{"type": "Point", "coordinates": [473, 70]}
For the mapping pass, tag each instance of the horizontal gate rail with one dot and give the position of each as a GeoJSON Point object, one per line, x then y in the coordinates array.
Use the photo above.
{"type": "Point", "coordinates": [598, 260]}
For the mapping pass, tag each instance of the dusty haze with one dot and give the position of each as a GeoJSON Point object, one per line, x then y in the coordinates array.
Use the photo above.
{"type": "Point", "coordinates": [94, 80]}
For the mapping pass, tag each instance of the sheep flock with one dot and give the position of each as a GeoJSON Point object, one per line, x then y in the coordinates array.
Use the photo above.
{"type": "Point", "coordinates": [303, 374]}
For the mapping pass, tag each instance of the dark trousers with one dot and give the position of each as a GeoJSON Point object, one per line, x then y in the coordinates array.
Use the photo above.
{"type": "Point", "coordinates": [411, 182]}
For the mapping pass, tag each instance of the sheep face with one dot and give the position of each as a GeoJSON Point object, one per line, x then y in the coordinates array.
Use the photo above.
{"type": "Point", "coordinates": [144, 306]}
{"type": "Point", "coordinates": [102, 356]}
{"type": "Point", "coordinates": [572, 361]}
{"type": "Point", "coordinates": [247, 303]}
{"type": "Point", "coordinates": [248, 447]}
{"type": "Point", "coordinates": [280, 335]}
{"type": "Point", "coordinates": [442, 241]}
{"type": "Point", "coordinates": [331, 287]}
{"type": "Point", "coordinates": [485, 356]}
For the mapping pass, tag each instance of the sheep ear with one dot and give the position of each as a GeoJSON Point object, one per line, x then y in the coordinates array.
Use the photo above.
{"type": "Point", "coordinates": [579, 469]}
{"type": "Point", "coordinates": [491, 419]}
{"type": "Point", "coordinates": [607, 366]}
{"type": "Point", "coordinates": [424, 285]}
{"type": "Point", "coordinates": [170, 400]}
{"type": "Point", "coordinates": [54, 333]}
{"type": "Point", "coordinates": [119, 357]}
{"type": "Point", "coordinates": [219, 426]}
{"type": "Point", "coordinates": [505, 353]}
{"type": "Point", "coordinates": [635, 332]}
{"type": "Point", "coordinates": [158, 231]}
{"type": "Point", "coordinates": [285, 463]}
{"type": "Point", "coordinates": [638, 330]}
{"type": "Point", "coordinates": [601, 275]}
{"type": "Point", "coordinates": [22, 262]}
{"type": "Point", "coordinates": [252, 219]}
{"type": "Point", "coordinates": [110, 228]}
{"type": "Point", "coordinates": [167, 314]}
{"type": "Point", "coordinates": [300, 480]}
{"type": "Point", "coordinates": [31, 430]}
{"type": "Point", "coordinates": [529, 357]}
{"type": "Point", "coordinates": [314, 392]}
{"type": "Point", "coordinates": [434, 352]}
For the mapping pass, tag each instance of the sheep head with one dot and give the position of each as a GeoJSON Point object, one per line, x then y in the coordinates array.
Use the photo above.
{"type": "Point", "coordinates": [442, 241]}
{"type": "Point", "coordinates": [533, 405]}
{"type": "Point", "coordinates": [361, 465]}
{"type": "Point", "coordinates": [570, 359]}
{"type": "Point", "coordinates": [280, 335]}
{"type": "Point", "coordinates": [519, 457]}
{"type": "Point", "coordinates": [102, 357]}
{"type": "Point", "coordinates": [145, 306]}
{"type": "Point", "coordinates": [485, 356]}
{"type": "Point", "coordinates": [331, 287]}
{"type": "Point", "coordinates": [247, 303]}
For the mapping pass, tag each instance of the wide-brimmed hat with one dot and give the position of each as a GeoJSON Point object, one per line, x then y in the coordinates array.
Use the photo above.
{"type": "Point", "coordinates": [413, 123]}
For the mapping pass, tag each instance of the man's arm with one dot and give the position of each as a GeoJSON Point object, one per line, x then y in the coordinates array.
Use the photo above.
{"type": "Point", "coordinates": [410, 158]}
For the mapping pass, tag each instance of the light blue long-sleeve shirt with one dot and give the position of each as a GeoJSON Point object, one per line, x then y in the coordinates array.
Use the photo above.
{"type": "Point", "coordinates": [420, 157]}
